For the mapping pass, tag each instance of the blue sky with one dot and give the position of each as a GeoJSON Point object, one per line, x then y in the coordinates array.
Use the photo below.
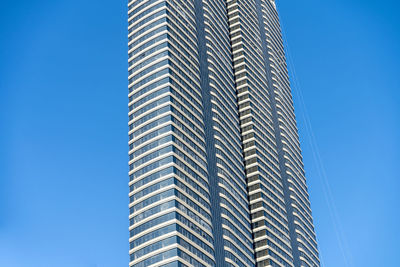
{"type": "Point", "coordinates": [63, 129]}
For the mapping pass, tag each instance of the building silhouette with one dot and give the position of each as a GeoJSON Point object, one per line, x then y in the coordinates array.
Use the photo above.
{"type": "Point", "coordinates": [215, 166]}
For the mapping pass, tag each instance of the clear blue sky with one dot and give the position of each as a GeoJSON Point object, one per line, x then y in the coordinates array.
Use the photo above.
{"type": "Point", "coordinates": [63, 129]}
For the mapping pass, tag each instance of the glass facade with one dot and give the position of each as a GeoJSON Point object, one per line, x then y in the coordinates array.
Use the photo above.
{"type": "Point", "coordinates": [216, 175]}
{"type": "Point", "coordinates": [301, 229]}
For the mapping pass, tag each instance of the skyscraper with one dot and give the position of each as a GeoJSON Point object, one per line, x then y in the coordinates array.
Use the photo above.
{"type": "Point", "coordinates": [216, 174]}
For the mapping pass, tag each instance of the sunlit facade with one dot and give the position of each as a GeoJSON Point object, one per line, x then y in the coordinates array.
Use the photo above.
{"type": "Point", "coordinates": [216, 175]}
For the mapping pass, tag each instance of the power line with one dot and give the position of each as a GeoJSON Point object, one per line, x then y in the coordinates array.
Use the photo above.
{"type": "Point", "coordinates": [326, 188]}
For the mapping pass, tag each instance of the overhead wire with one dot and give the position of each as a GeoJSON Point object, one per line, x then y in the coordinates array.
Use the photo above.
{"type": "Point", "coordinates": [326, 188]}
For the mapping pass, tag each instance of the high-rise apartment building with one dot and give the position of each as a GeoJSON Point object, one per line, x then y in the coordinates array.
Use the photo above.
{"type": "Point", "coordinates": [216, 173]}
